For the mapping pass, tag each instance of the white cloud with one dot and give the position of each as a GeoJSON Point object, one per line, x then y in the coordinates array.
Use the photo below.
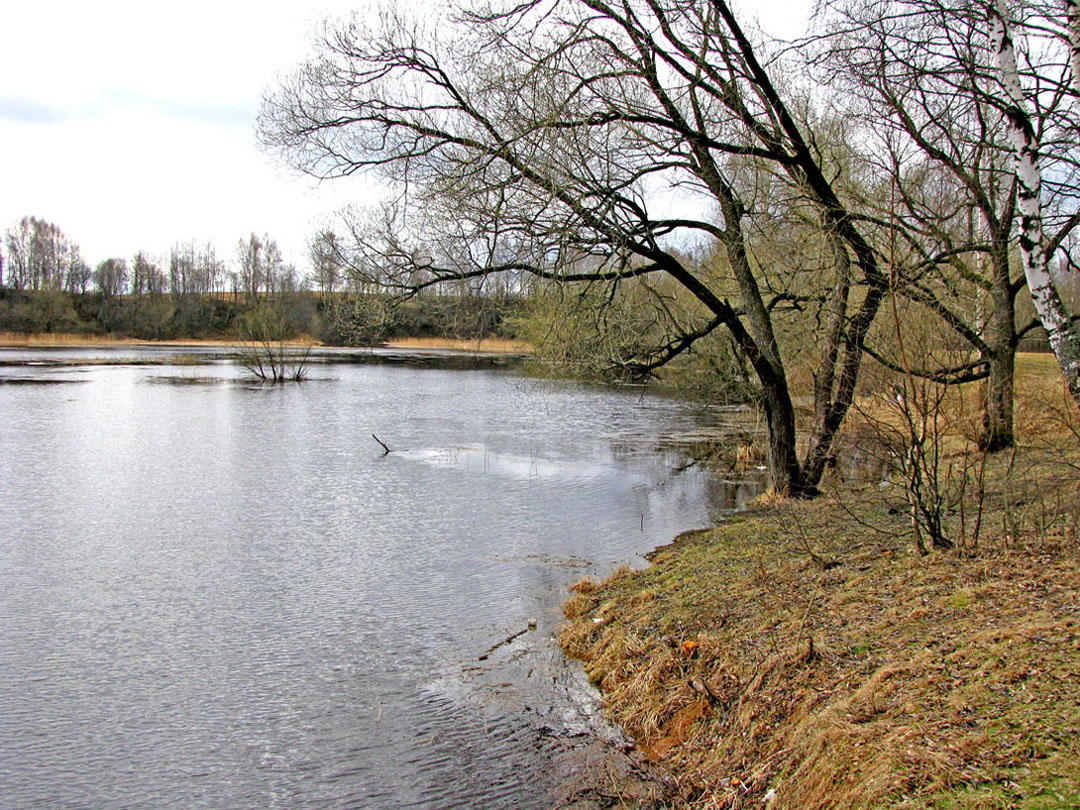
{"type": "Point", "coordinates": [131, 124]}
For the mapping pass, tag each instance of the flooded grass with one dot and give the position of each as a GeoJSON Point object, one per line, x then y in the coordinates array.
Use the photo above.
{"type": "Point", "coordinates": [183, 359]}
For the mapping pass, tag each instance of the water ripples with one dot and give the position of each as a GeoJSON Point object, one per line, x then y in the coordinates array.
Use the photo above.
{"type": "Point", "coordinates": [212, 596]}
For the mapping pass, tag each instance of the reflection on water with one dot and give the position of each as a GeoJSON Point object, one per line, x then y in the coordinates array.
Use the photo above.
{"type": "Point", "coordinates": [223, 595]}
{"type": "Point", "coordinates": [32, 381]}
{"type": "Point", "coordinates": [204, 379]}
{"type": "Point", "coordinates": [478, 458]}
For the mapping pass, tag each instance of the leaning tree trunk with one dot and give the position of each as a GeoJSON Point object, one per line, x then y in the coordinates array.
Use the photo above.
{"type": "Point", "coordinates": [1062, 332]}
{"type": "Point", "coordinates": [786, 476]}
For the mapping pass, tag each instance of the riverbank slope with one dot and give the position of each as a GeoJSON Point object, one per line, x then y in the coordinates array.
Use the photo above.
{"type": "Point", "coordinates": [804, 655]}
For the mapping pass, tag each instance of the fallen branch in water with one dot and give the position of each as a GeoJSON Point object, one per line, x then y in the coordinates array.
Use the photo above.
{"type": "Point", "coordinates": [530, 626]}
{"type": "Point", "coordinates": [386, 450]}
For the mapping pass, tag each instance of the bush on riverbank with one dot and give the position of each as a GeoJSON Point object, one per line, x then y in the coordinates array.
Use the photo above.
{"type": "Point", "coordinates": [339, 319]}
{"type": "Point", "coordinates": [607, 334]}
{"type": "Point", "coordinates": [803, 655]}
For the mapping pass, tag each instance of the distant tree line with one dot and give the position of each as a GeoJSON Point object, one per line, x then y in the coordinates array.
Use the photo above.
{"type": "Point", "coordinates": [37, 255]}
{"type": "Point", "coordinates": [46, 286]}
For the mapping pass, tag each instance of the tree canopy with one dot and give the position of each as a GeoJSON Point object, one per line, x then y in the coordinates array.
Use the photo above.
{"type": "Point", "coordinates": [584, 142]}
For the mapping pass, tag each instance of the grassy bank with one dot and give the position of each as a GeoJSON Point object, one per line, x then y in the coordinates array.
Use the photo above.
{"type": "Point", "coordinates": [803, 655]}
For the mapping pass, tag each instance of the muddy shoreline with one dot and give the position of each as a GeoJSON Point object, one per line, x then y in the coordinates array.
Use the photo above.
{"type": "Point", "coordinates": [596, 764]}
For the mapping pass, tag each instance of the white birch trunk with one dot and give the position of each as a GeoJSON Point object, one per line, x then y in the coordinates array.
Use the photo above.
{"type": "Point", "coordinates": [1072, 19]}
{"type": "Point", "coordinates": [1062, 333]}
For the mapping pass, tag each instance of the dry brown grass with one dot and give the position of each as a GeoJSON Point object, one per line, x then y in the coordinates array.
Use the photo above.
{"type": "Point", "coordinates": [20, 339]}
{"type": "Point", "coordinates": [62, 340]}
{"type": "Point", "coordinates": [831, 667]}
{"type": "Point", "coordinates": [484, 345]}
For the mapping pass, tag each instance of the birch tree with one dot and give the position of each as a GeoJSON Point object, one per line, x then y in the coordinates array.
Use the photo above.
{"type": "Point", "coordinates": [1072, 20]}
{"type": "Point", "coordinates": [1062, 331]}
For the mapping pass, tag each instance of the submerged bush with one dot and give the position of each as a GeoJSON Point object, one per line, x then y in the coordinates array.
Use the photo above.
{"type": "Point", "coordinates": [265, 354]}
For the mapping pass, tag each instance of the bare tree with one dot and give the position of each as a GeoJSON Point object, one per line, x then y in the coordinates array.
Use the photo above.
{"type": "Point", "coordinates": [548, 138]}
{"type": "Point", "coordinates": [262, 268]}
{"type": "Point", "coordinates": [252, 272]}
{"type": "Point", "coordinates": [146, 276]}
{"type": "Point", "coordinates": [19, 246]}
{"type": "Point", "coordinates": [182, 269]}
{"type": "Point", "coordinates": [194, 270]}
{"type": "Point", "coordinates": [111, 277]}
{"type": "Point", "coordinates": [77, 272]}
{"type": "Point", "coordinates": [265, 352]}
{"type": "Point", "coordinates": [919, 80]}
{"type": "Point", "coordinates": [42, 257]}
{"type": "Point", "coordinates": [275, 270]}
{"type": "Point", "coordinates": [210, 270]}
{"type": "Point", "coordinates": [323, 252]}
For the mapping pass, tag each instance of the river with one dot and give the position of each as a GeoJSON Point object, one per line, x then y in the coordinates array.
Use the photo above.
{"type": "Point", "coordinates": [215, 594]}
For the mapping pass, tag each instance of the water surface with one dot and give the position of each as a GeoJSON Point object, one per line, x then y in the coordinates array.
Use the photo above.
{"type": "Point", "coordinates": [215, 594]}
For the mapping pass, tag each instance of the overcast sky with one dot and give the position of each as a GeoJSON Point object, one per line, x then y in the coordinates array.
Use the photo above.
{"type": "Point", "coordinates": [131, 124]}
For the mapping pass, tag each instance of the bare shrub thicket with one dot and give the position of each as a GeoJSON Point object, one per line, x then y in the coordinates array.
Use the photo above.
{"type": "Point", "coordinates": [265, 351]}
{"type": "Point", "coordinates": [924, 430]}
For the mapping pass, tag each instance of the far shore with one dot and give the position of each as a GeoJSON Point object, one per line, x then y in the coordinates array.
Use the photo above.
{"type": "Point", "coordinates": [63, 340]}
